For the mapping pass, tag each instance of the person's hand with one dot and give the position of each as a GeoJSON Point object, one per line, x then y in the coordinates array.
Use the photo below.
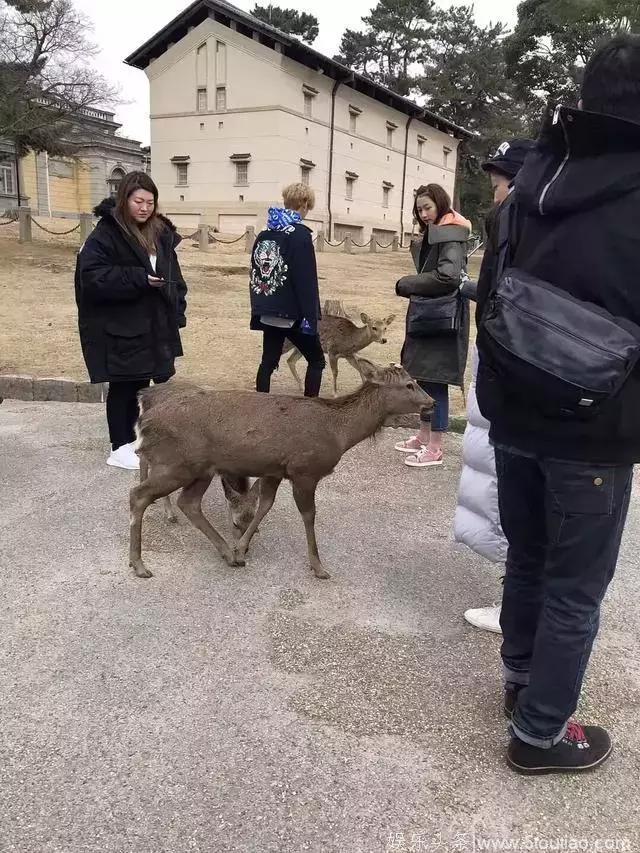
{"type": "Point", "coordinates": [155, 282]}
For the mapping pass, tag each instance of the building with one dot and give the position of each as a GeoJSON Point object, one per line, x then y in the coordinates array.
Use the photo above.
{"type": "Point", "coordinates": [69, 186]}
{"type": "Point", "coordinates": [239, 109]}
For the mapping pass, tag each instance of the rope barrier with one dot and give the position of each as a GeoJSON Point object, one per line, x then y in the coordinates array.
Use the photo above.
{"type": "Point", "coordinates": [361, 245]}
{"type": "Point", "coordinates": [335, 245]}
{"type": "Point", "coordinates": [8, 222]}
{"type": "Point", "coordinates": [228, 242]}
{"type": "Point", "coordinates": [382, 246]}
{"type": "Point", "coordinates": [55, 233]}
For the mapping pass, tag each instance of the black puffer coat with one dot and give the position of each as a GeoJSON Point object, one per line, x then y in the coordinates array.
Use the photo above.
{"type": "Point", "coordinates": [128, 329]}
{"type": "Point", "coordinates": [439, 264]}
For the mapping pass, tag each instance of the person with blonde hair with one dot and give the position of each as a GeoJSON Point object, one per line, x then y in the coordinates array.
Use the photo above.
{"type": "Point", "coordinates": [285, 302]}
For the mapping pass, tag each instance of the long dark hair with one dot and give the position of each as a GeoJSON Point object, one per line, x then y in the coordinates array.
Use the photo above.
{"type": "Point", "coordinates": [147, 235]}
{"type": "Point", "coordinates": [438, 196]}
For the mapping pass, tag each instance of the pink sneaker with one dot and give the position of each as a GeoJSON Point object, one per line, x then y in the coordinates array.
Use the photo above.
{"type": "Point", "coordinates": [411, 445]}
{"type": "Point", "coordinates": [428, 457]}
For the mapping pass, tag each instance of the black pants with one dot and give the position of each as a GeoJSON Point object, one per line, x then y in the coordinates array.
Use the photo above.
{"type": "Point", "coordinates": [564, 522]}
{"type": "Point", "coordinates": [122, 409]}
{"type": "Point", "coordinates": [310, 347]}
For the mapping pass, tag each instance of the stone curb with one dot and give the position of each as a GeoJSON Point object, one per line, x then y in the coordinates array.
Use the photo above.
{"type": "Point", "coordinates": [60, 390]}
{"type": "Point", "coordinates": [49, 389]}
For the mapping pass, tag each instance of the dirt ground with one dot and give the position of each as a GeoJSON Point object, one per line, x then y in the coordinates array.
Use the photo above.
{"type": "Point", "coordinates": [38, 327]}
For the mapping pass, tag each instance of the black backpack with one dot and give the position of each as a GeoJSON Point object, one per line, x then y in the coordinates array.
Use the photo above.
{"type": "Point", "coordinates": [563, 355]}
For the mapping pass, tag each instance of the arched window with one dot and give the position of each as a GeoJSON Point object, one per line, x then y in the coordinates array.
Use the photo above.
{"type": "Point", "coordinates": [114, 181]}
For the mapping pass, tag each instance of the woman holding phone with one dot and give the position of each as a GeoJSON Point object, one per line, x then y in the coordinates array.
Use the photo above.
{"type": "Point", "coordinates": [131, 299]}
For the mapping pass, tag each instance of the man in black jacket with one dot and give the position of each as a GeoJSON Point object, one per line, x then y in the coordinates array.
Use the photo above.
{"type": "Point", "coordinates": [285, 301]}
{"type": "Point", "coordinates": [564, 484]}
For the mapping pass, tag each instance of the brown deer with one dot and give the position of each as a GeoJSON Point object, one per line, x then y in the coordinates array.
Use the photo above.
{"type": "Point", "coordinates": [187, 436]}
{"type": "Point", "coordinates": [341, 338]}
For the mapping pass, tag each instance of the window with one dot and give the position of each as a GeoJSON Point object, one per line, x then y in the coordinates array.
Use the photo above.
{"type": "Point", "coordinates": [7, 184]}
{"type": "Point", "coordinates": [445, 152]}
{"type": "Point", "coordinates": [420, 147]}
{"type": "Point", "coordinates": [308, 105]}
{"type": "Point", "coordinates": [386, 192]}
{"type": "Point", "coordinates": [114, 181]}
{"type": "Point", "coordinates": [221, 98]}
{"type": "Point", "coordinates": [349, 188]}
{"type": "Point", "coordinates": [220, 125]}
{"type": "Point", "coordinates": [391, 128]}
{"type": "Point", "coordinates": [203, 100]}
{"type": "Point", "coordinates": [308, 93]}
{"type": "Point", "coordinates": [305, 175]}
{"type": "Point", "coordinates": [242, 173]}
{"type": "Point", "coordinates": [182, 171]}
{"type": "Point", "coordinates": [353, 123]}
{"type": "Point", "coordinates": [201, 125]}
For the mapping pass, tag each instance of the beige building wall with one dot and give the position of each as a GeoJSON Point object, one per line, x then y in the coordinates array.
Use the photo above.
{"type": "Point", "coordinates": [218, 95]}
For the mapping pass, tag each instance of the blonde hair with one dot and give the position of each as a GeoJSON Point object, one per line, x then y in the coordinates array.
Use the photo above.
{"type": "Point", "coordinates": [296, 196]}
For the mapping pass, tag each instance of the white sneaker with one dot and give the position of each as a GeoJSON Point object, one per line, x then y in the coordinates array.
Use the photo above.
{"type": "Point", "coordinates": [485, 618]}
{"type": "Point", "coordinates": [125, 457]}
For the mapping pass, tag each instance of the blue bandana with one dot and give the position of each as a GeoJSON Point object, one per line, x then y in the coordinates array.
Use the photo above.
{"type": "Point", "coordinates": [280, 218]}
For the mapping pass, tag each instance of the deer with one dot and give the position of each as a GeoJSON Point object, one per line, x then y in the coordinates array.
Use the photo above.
{"type": "Point", "coordinates": [341, 338]}
{"type": "Point", "coordinates": [188, 435]}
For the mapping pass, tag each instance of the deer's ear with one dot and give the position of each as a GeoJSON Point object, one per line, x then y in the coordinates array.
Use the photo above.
{"type": "Point", "coordinates": [365, 318]}
{"type": "Point", "coordinates": [390, 319]}
{"type": "Point", "coordinates": [368, 370]}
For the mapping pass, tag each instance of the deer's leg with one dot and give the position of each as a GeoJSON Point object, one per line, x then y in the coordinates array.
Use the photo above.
{"type": "Point", "coordinates": [304, 493]}
{"type": "Point", "coordinates": [169, 514]}
{"type": "Point", "coordinates": [353, 361]}
{"type": "Point", "coordinates": [154, 487]}
{"type": "Point", "coordinates": [293, 359]}
{"type": "Point", "coordinates": [333, 362]}
{"type": "Point", "coordinates": [268, 490]}
{"type": "Point", "coordinates": [190, 502]}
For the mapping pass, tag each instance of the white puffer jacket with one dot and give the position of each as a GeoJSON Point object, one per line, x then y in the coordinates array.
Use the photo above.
{"type": "Point", "coordinates": [477, 520]}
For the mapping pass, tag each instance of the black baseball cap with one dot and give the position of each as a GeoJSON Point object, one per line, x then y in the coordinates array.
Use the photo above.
{"type": "Point", "coordinates": [509, 157]}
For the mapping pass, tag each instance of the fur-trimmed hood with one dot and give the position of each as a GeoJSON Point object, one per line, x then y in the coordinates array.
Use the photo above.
{"type": "Point", "coordinates": [108, 205]}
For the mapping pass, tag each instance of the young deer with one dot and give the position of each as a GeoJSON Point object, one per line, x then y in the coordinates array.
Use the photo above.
{"type": "Point", "coordinates": [341, 338]}
{"type": "Point", "coordinates": [192, 435]}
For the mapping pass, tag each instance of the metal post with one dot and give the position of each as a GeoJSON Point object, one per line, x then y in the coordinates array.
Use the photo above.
{"type": "Point", "coordinates": [86, 225]}
{"type": "Point", "coordinates": [24, 217]}
{"type": "Point", "coordinates": [249, 239]}
{"type": "Point", "coordinates": [320, 242]}
{"type": "Point", "coordinates": [348, 244]}
{"type": "Point", "coordinates": [203, 238]}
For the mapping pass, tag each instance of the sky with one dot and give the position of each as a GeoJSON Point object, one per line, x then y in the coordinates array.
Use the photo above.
{"type": "Point", "coordinates": [120, 26]}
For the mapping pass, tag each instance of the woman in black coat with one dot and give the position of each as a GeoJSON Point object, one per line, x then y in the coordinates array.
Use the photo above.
{"type": "Point", "coordinates": [131, 299]}
{"type": "Point", "coordinates": [435, 357]}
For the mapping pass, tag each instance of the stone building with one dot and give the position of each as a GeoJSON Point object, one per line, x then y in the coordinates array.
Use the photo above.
{"type": "Point", "coordinates": [69, 186]}
{"type": "Point", "coordinates": [239, 109]}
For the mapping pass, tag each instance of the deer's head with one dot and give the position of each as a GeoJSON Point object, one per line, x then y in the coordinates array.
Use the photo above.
{"type": "Point", "coordinates": [403, 395]}
{"type": "Point", "coordinates": [242, 506]}
{"type": "Point", "coordinates": [378, 328]}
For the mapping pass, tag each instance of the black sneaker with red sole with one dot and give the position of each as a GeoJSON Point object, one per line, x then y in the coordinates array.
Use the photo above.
{"type": "Point", "coordinates": [582, 748]}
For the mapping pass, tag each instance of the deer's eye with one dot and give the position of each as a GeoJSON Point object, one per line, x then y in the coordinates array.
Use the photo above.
{"type": "Point", "coordinates": [409, 385]}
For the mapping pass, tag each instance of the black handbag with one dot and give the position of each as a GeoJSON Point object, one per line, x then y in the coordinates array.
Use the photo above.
{"type": "Point", "coordinates": [566, 355]}
{"type": "Point", "coordinates": [430, 316]}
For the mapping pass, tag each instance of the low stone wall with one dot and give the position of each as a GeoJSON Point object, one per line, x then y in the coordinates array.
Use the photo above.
{"type": "Point", "coordinates": [54, 389]}
{"type": "Point", "coordinates": [60, 390]}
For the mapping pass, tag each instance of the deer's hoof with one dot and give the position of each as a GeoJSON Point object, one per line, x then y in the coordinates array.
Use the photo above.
{"type": "Point", "coordinates": [236, 560]}
{"type": "Point", "coordinates": [322, 574]}
{"type": "Point", "coordinates": [141, 570]}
